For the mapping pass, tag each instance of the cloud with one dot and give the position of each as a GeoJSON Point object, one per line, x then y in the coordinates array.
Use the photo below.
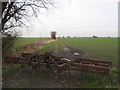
{"type": "Point", "coordinates": [86, 17]}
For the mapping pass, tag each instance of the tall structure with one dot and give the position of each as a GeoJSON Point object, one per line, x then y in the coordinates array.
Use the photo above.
{"type": "Point", "coordinates": [53, 35]}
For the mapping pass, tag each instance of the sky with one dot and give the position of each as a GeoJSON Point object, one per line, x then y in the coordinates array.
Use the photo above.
{"type": "Point", "coordinates": [76, 18]}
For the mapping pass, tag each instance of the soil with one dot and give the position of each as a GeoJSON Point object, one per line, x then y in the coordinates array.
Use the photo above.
{"type": "Point", "coordinates": [53, 80]}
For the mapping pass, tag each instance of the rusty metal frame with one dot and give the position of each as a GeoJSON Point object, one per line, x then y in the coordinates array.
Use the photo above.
{"type": "Point", "coordinates": [100, 67]}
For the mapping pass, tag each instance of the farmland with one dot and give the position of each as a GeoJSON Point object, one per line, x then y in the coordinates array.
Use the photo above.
{"type": "Point", "coordinates": [60, 44]}
{"type": "Point", "coordinates": [98, 48]}
{"type": "Point", "coordinates": [22, 43]}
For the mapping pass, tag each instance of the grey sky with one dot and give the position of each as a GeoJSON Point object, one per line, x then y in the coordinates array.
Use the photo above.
{"type": "Point", "coordinates": [77, 18]}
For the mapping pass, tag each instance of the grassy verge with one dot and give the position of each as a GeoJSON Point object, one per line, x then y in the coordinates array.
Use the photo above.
{"type": "Point", "coordinates": [47, 48]}
{"type": "Point", "coordinates": [97, 81]}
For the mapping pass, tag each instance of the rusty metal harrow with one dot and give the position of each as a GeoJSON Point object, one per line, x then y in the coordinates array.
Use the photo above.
{"type": "Point", "coordinates": [101, 67]}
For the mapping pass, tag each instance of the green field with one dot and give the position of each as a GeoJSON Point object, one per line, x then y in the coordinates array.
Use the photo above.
{"type": "Point", "coordinates": [97, 48]}
{"type": "Point", "coordinates": [22, 42]}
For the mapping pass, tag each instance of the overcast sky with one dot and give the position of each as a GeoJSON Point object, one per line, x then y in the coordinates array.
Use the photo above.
{"type": "Point", "coordinates": [77, 18]}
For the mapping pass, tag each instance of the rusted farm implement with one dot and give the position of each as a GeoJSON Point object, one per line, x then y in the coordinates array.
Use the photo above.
{"type": "Point", "coordinates": [59, 63]}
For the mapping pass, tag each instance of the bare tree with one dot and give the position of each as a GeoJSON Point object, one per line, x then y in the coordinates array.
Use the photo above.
{"type": "Point", "coordinates": [13, 16]}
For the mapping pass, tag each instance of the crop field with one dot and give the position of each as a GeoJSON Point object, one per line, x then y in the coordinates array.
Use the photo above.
{"type": "Point", "coordinates": [23, 41]}
{"type": "Point", "coordinates": [97, 48]}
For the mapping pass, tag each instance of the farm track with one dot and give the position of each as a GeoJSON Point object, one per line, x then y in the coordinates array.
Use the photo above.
{"type": "Point", "coordinates": [67, 52]}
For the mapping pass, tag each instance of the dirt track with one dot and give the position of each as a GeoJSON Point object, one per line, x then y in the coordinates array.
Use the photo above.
{"type": "Point", "coordinates": [67, 52]}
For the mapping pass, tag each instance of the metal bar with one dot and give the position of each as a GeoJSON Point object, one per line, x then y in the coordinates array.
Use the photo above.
{"type": "Point", "coordinates": [94, 61]}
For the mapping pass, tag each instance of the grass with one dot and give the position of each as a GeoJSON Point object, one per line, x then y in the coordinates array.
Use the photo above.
{"type": "Point", "coordinates": [98, 48]}
{"type": "Point", "coordinates": [59, 45]}
{"type": "Point", "coordinates": [8, 70]}
{"type": "Point", "coordinates": [47, 48]}
{"type": "Point", "coordinates": [97, 81]}
{"type": "Point", "coordinates": [11, 70]}
{"type": "Point", "coordinates": [24, 41]}
{"type": "Point", "coordinates": [42, 74]}
{"type": "Point", "coordinates": [21, 43]}
{"type": "Point", "coordinates": [19, 86]}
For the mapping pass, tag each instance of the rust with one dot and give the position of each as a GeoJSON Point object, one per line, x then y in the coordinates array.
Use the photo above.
{"type": "Point", "coordinates": [53, 62]}
{"type": "Point", "coordinates": [96, 62]}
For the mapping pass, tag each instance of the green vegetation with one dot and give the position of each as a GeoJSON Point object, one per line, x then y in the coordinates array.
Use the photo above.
{"type": "Point", "coordinates": [13, 69]}
{"type": "Point", "coordinates": [8, 70]}
{"type": "Point", "coordinates": [24, 41]}
{"type": "Point", "coordinates": [21, 43]}
{"type": "Point", "coordinates": [97, 81]}
{"type": "Point", "coordinates": [47, 48]}
{"type": "Point", "coordinates": [98, 48]}
{"type": "Point", "coordinates": [59, 45]}
{"type": "Point", "coordinates": [51, 46]}
{"type": "Point", "coordinates": [23, 85]}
